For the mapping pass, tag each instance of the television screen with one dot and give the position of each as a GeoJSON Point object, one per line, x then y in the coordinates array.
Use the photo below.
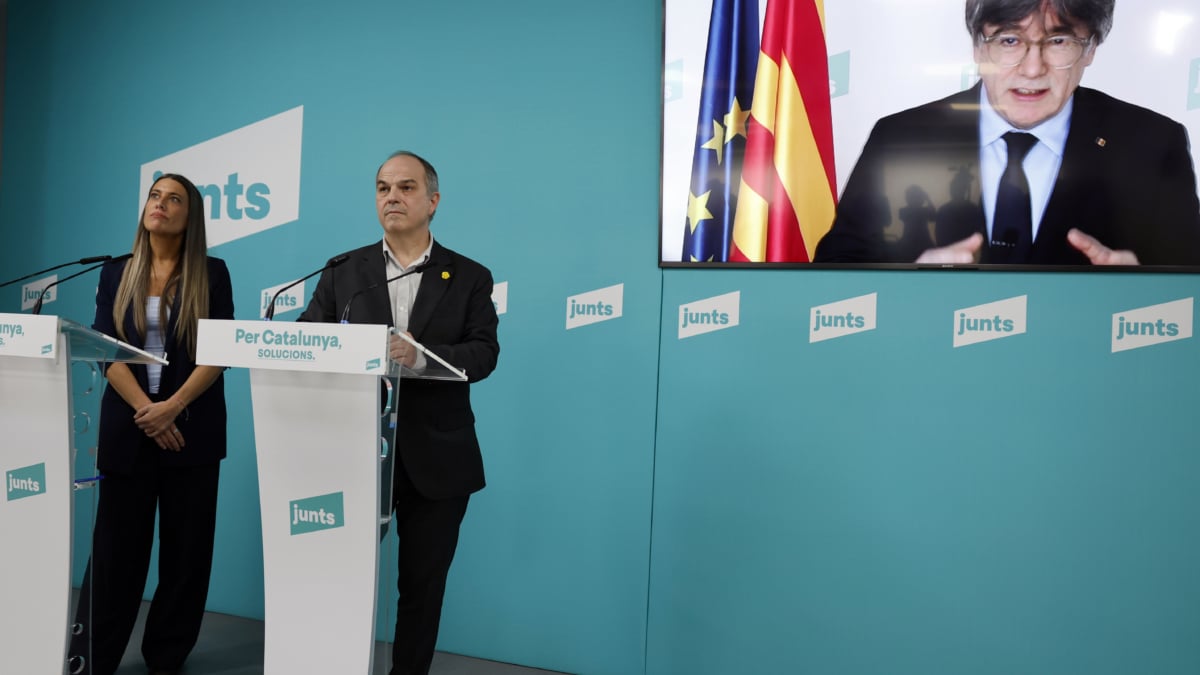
{"type": "Point", "coordinates": [879, 133]}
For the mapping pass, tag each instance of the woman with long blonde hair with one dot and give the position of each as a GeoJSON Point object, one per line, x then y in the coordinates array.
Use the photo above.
{"type": "Point", "coordinates": [161, 439]}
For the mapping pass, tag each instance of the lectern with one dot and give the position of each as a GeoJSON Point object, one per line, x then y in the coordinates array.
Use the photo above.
{"type": "Point", "coordinates": [37, 419]}
{"type": "Point", "coordinates": [324, 430]}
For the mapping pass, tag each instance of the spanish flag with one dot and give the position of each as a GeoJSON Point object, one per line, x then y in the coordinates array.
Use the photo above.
{"type": "Point", "coordinates": [789, 190]}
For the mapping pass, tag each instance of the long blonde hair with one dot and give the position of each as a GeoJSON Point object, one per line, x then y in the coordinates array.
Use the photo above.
{"type": "Point", "coordinates": [189, 280]}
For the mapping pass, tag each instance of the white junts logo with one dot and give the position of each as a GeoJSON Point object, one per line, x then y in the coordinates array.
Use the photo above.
{"type": "Point", "coordinates": [601, 304]}
{"type": "Point", "coordinates": [289, 301]}
{"type": "Point", "coordinates": [995, 320]}
{"type": "Point", "coordinates": [709, 314]}
{"type": "Point", "coordinates": [1153, 325]}
{"type": "Point", "coordinates": [32, 290]}
{"type": "Point", "coordinates": [249, 177]}
{"type": "Point", "coordinates": [842, 318]}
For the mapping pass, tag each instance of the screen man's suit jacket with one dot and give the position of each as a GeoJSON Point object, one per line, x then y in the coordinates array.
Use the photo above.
{"type": "Point", "coordinates": [453, 316]}
{"type": "Point", "coordinates": [1126, 179]}
{"type": "Point", "coordinates": [202, 423]}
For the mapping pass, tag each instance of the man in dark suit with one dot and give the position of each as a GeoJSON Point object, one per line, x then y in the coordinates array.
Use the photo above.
{"type": "Point", "coordinates": [1026, 167]}
{"type": "Point", "coordinates": [447, 306]}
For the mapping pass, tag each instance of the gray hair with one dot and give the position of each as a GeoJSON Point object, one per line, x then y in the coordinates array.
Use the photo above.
{"type": "Point", "coordinates": [1096, 15]}
{"type": "Point", "coordinates": [431, 178]}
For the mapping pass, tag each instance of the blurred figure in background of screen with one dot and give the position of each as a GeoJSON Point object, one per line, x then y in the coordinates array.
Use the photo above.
{"type": "Point", "coordinates": [1026, 167]}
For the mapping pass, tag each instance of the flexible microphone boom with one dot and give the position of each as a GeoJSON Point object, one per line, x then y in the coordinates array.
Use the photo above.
{"type": "Point", "coordinates": [37, 307]}
{"type": "Point", "coordinates": [333, 262]}
{"type": "Point", "coordinates": [419, 268]}
{"type": "Point", "coordinates": [82, 261]}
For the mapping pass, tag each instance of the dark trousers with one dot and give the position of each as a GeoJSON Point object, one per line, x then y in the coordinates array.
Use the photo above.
{"type": "Point", "coordinates": [428, 534]}
{"type": "Point", "coordinates": [186, 501]}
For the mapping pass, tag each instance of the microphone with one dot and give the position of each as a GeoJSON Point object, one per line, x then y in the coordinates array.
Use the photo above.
{"type": "Point", "coordinates": [37, 307]}
{"type": "Point", "coordinates": [333, 262]}
{"type": "Point", "coordinates": [82, 261]}
{"type": "Point", "coordinates": [419, 268]}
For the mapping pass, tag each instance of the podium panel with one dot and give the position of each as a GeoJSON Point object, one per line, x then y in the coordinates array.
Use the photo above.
{"type": "Point", "coordinates": [35, 513]}
{"type": "Point", "coordinates": [325, 440]}
{"type": "Point", "coordinates": [316, 400]}
{"type": "Point", "coordinates": [317, 437]}
{"type": "Point", "coordinates": [37, 417]}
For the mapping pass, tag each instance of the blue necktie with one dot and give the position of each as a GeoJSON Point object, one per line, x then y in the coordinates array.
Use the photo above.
{"type": "Point", "coordinates": [1012, 227]}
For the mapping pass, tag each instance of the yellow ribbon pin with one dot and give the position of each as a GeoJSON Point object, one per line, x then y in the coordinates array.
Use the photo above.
{"type": "Point", "coordinates": [445, 275]}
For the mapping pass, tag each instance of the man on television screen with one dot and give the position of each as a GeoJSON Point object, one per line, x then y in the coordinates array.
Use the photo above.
{"type": "Point", "coordinates": [1026, 167]}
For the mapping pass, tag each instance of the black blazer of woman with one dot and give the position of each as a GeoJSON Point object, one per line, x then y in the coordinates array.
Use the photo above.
{"type": "Point", "coordinates": [202, 423]}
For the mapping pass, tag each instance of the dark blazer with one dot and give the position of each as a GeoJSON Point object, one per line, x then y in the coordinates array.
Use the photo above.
{"type": "Point", "coordinates": [202, 423]}
{"type": "Point", "coordinates": [1126, 179]}
{"type": "Point", "coordinates": [454, 317]}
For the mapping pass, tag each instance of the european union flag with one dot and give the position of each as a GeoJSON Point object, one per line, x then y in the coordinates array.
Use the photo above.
{"type": "Point", "coordinates": [729, 68]}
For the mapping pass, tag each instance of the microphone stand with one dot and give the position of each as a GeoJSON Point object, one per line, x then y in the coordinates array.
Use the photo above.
{"type": "Point", "coordinates": [333, 262]}
{"type": "Point", "coordinates": [37, 307]}
{"type": "Point", "coordinates": [346, 310]}
{"type": "Point", "coordinates": [81, 261]}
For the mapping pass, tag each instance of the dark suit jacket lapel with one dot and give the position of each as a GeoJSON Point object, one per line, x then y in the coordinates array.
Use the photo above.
{"type": "Point", "coordinates": [965, 133]}
{"type": "Point", "coordinates": [959, 131]}
{"type": "Point", "coordinates": [377, 304]}
{"type": "Point", "coordinates": [434, 282]}
{"type": "Point", "coordinates": [132, 335]}
{"type": "Point", "coordinates": [962, 111]}
{"type": "Point", "coordinates": [1078, 163]}
{"type": "Point", "coordinates": [172, 318]}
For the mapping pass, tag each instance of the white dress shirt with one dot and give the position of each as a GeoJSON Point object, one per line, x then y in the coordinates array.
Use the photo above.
{"type": "Point", "coordinates": [403, 292]}
{"type": "Point", "coordinates": [1041, 164]}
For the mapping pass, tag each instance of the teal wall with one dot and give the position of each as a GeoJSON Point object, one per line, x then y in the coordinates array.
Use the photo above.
{"type": "Point", "coordinates": [886, 503]}
{"type": "Point", "coordinates": [741, 501]}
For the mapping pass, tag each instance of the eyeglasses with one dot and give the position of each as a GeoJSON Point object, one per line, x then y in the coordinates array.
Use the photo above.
{"type": "Point", "coordinates": [1058, 51]}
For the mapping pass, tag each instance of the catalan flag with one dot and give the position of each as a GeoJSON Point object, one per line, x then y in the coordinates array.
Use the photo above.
{"type": "Point", "coordinates": [729, 67]}
{"type": "Point", "coordinates": [789, 190]}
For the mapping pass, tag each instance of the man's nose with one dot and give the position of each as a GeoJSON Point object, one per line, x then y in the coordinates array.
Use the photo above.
{"type": "Point", "coordinates": [1033, 64]}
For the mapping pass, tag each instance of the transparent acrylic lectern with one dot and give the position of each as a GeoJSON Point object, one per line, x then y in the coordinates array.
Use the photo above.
{"type": "Point", "coordinates": [40, 426]}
